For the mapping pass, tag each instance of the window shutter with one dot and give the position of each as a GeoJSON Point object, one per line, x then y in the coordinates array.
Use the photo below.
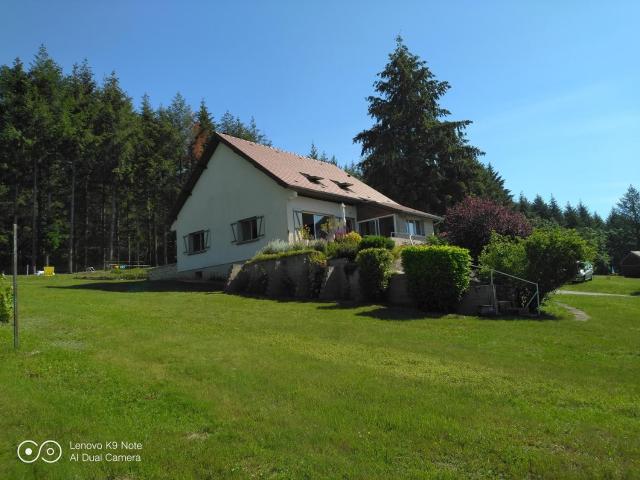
{"type": "Point", "coordinates": [185, 239]}
{"type": "Point", "coordinates": [206, 239]}
{"type": "Point", "coordinates": [234, 231]}
{"type": "Point", "coordinates": [260, 226]}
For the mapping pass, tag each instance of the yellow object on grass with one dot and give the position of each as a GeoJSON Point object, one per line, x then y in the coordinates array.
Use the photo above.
{"type": "Point", "coordinates": [49, 271]}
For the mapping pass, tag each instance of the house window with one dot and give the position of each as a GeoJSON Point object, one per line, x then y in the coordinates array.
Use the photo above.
{"type": "Point", "coordinates": [196, 242]}
{"type": "Point", "coordinates": [386, 226]}
{"type": "Point", "coordinates": [351, 224]}
{"type": "Point", "coordinates": [415, 227]}
{"type": "Point", "coordinates": [369, 227]}
{"type": "Point", "coordinates": [313, 222]}
{"type": "Point", "coordinates": [248, 230]}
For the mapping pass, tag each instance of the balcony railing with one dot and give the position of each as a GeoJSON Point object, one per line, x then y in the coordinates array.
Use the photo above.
{"type": "Point", "coordinates": [403, 237]}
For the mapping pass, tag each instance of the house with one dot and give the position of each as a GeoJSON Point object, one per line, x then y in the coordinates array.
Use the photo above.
{"type": "Point", "coordinates": [630, 264]}
{"type": "Point", "coordinates": [242, 195]}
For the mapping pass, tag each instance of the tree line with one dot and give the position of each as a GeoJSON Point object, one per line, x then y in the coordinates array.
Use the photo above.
{"type": "Point", "coordinates": [415, 154]}
{"type": "Point", "coordinates": [88, 177]}
{"type": "Point", "coordinates": [612, 238]}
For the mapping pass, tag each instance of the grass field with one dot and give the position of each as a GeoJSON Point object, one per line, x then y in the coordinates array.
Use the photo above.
{"type": "Point", "coordinates": [608, 284]}
{"type": "Point", "coordinates": [219, 386]}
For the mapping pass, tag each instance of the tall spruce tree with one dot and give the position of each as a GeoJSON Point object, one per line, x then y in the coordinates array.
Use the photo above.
{"type": "Point", "coordinates": [555, 212]}
{"type": "Point", "coordinates": [412, 153]}
{"type": "Point", "coordinates": [313, 151]}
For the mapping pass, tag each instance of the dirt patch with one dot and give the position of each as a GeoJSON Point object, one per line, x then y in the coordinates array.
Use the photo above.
{"type": "Point", "coordinates": [200, 436]}
{"type": "Point", "coordinates": [591, 294]}
{"type": "Point", "coordinates": [577, 313]}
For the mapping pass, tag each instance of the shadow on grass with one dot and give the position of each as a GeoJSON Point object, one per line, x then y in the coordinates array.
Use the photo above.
{"type": "Point", "coordinates": [384, 312]}
{"type": "Point", "coordinates": [398, 313]}
{"type": "Point", "coordinates": [141, 286]}
{"type": "Point", "coordinates": [635, 294]}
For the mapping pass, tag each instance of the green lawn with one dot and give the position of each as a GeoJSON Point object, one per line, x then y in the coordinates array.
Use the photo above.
{"type": "Point", "coordinates": [219, 386]}
{"type": "Point", "coordinates": [608, 284]}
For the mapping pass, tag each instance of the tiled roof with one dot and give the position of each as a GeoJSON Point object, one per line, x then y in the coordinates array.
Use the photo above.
{"type": "Point", "coordinates": [305, 175]}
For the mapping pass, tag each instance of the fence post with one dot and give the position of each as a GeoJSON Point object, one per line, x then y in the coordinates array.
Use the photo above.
{"type": "Point", "coordinates": [16, 339]}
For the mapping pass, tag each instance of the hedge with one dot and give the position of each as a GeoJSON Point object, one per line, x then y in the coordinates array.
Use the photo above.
{"type": "Point", "coordinates": [375, 271]}
{"type": "Point", "coordinates": [376, 241]}
{"type": "Point", "coordinates": [437, 275]}
{"type": "Point", "coordinates": [261, 257]}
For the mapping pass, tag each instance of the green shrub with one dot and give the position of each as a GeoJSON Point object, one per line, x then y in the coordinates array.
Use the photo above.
{"type": "Point", "coordinates": [318, 245]}
{"type": "Point", "coordinates": [281, 246]}
{"type": "Point", "coordinates": [505, 254]}
{"type": "Point", "coordinates": [276, 247]}
{"type": "Point", "coordinates": [552, 257]}
{"type": "Point", "coordinates": [435, 240]}
{"type": "Point", "coordinates": [437, 275]}
{"type": "Point", "coordinates": [375, 270]}
{"type": "Point", "coordinates": [115, 274]}
{"type": "Point", "coordinates": [548, 257]}
{"type": "Point", "coordinates": [342, 249]}
{"type": "Point", "coordinates": [353, 237]}
{"type": "Point", "coordinates": [6, 302]}
{"type": "Point", "coordinates": [261, 257]}
{"type": "Point", "coordinates": [376, 241]}
{"type": "Point", "coordinates": [317, 272]}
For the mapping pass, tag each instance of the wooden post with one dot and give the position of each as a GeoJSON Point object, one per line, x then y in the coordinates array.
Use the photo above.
{"type": "Point", "coordinates": [16, 338]}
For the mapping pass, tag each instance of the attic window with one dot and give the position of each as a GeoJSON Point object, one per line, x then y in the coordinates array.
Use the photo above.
{"type": "Point", "coordinates": [343, 185]}
{"type": "Point", "coordinates": [312, 178]}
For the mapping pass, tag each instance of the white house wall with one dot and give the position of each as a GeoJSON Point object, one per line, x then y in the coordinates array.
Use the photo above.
{"type": "Point", "coordinates": [229, 189]}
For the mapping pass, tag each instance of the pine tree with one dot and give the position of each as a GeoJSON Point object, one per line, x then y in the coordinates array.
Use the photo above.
{"type": "Point", "coordinates": [571, 219]}
{"type": "Point", "coordinates": [540, 209]}
{"type": "Point", "coordinates": [202, 130]}
{"type": "Point", "coordinates": [524, 206]}
{"type": "Point", "coordinates": [584, 216]}
{"type": "Point", "coordinates": [313, 151]}
{"type": "Point", "coordinates": [235, 127]}
{"type": "Point", "coordinates": [490, 184]}
{"type": "Point", "coordinates": [555, 212]}
{"type": "Point", "coordinates": [45, 102]}
{"type": "Point", "coordinates": [412, 153]}
{"type": "Point", "coordinates": [79, 140]}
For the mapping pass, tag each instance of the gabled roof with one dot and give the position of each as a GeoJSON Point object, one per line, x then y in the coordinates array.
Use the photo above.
{"type": "Point", "coordinates": [308, 177]}
{"type": "Point", "coordinates": [631, 258]}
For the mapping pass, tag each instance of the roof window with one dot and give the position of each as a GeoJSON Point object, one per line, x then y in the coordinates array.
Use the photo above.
{"type": "Point", "coordinates": [312, 178]}
{"type": "Point", "coordinates": [343, 185]}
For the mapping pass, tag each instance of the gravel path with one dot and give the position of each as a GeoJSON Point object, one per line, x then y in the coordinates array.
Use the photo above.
{"type": "Point", "coordinates": [591, 294]}
{"type": "Point", "coordinates": [579, 315]}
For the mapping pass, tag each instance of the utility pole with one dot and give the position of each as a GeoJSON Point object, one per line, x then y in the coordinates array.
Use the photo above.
{"type": "Point", "coordinates": [16, 338]}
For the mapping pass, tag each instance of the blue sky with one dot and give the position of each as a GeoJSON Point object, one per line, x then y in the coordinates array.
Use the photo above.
{"type": "Point", "coordinates": [550, 86]}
